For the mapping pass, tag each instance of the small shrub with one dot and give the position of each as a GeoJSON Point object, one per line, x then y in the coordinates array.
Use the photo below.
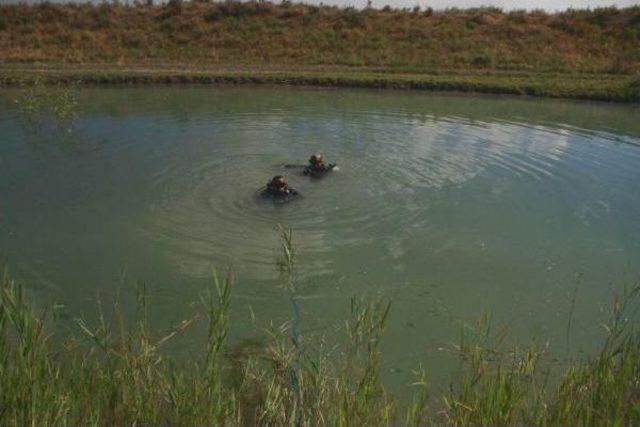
{"type": "Point", "coordinates": [238, 10]}
{"type": "Point", "coordinates": [602, 17]}
{"type": "Point", "coordinates": [562, 23]}
{"type": "Point", "coordinates": [174, 7]}
{"type": "Point", "coordinates": [353, 18]}
{"type": "Point", "coordinates": [101, 17]}
{"type": "Point", "coordinates": [483, 60]}
{"type": "Point", "coordinates": [517, 16]}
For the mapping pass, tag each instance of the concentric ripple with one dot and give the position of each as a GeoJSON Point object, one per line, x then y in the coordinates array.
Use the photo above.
{"type": "Point", "coordinates": [394, 168]}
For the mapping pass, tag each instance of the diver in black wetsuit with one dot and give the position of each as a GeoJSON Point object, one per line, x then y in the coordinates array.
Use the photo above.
{"type": "Point", "coordinates": [316, 166]}
{"type": "Point", "coordinates": [277, 187]}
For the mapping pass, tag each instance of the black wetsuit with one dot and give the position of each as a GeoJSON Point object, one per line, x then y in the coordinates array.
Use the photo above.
{"type": "Point", "coordinates": [317, 170]}
{"type": "Point", "coordinates": [279, 192]}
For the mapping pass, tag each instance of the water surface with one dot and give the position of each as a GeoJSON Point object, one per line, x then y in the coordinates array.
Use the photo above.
{"type": "Point", "coordinates": [451, 206]}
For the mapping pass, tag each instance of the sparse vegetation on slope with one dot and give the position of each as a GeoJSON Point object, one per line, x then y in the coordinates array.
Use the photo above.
{"type": "Point", "coordinates": [237, 34]}
{"type": "Point", "coordinates": [592, 54]}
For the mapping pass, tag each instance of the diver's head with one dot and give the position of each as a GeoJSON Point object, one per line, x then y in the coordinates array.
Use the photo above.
{"type": "Point", "coordinates": [278, 181]}
{"type": "Point", "coordinates": [316, 159]}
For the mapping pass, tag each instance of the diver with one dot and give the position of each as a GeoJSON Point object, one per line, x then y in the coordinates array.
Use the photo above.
{"type": "Point", "coordinates": [277, 187]}
{"type": "Point", "coordinates": [316, 166]}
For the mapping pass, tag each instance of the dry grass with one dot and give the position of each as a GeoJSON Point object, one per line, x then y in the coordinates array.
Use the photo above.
{"type": "Point", "coordinates": [264, 34]}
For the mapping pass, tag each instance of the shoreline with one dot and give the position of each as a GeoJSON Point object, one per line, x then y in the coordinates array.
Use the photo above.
{"type": "Point", "coordinates": [594, 87]}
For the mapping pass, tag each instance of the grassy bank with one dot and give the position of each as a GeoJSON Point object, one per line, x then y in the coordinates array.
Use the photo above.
{"type": "Point", "coordinates": [266, 34]}
{"type": "Point", "coordinates": [593, 87]}
{"type": "Point", "coordinates": [578, 54]}
{"type": "Point", "coordinates": [114, 373]}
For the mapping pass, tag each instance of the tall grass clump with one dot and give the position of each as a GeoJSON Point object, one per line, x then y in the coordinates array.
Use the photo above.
{"type": "Point", "coordinates": [31, 390]}
{"type": "Point", "coordinates": [495, 385]}
{"type": "Point", "coordinates": [111, 371]}
{"type": "Point", "coordinates": [606, 389]}
{"type": "Point", "coordinates": [514, 387]}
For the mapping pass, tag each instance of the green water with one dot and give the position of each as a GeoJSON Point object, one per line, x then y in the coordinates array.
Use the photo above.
{"type": "Point", "coordinates": [450, 206]}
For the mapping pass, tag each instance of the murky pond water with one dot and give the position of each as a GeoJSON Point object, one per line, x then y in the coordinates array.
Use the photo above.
{"type": "Point", "coordinates": [450, 206]}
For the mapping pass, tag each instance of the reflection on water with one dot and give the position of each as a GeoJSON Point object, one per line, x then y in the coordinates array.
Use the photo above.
{"type": "Point", "coordinates": [449, 205]}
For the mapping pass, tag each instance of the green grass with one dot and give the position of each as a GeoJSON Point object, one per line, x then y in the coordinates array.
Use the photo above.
{"type": "Point", "coordinates": [621, 88]}
{"type": "Point", "coordinates": [112, 372]}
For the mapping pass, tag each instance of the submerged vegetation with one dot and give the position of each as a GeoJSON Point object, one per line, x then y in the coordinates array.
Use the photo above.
{"type": "Point", "coordinates": [59, 100]}
{"type": "Point", "coordinates": [576, 53]}
{"type": "Point", "coordinates": [114, 373]}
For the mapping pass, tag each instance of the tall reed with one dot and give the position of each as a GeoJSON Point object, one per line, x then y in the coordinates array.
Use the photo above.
{"type": "Point", "coordinates": [114, 372]}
